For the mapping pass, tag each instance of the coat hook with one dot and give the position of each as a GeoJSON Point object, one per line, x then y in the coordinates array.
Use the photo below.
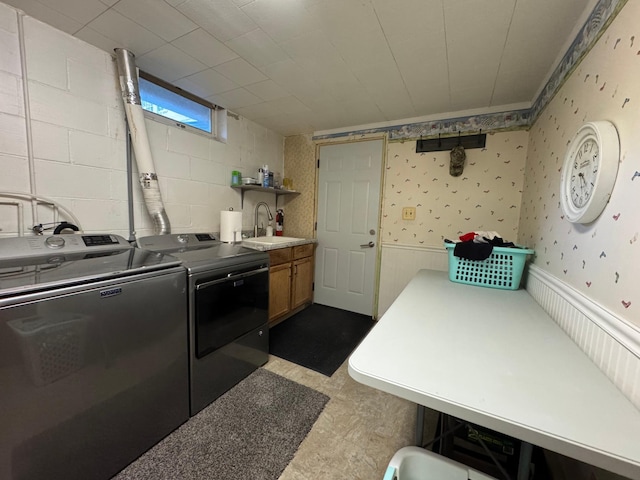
{"type": "Point", "coordinates": [480, 137]}
{"type": "Point", "coordinates": [459, 139]}
{"type": "Point", "coordinates": [439, 141]}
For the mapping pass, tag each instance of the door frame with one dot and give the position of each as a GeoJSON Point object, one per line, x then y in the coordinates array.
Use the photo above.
{"type": "Point", "coordinates": [383, 178]}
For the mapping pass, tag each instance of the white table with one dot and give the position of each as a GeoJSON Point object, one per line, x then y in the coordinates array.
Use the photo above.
{"type": "Point", "coordinates": [496, 359]}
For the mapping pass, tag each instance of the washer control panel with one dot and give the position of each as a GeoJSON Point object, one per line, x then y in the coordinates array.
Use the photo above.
{"type": "Point", "coordinates": [33, 246]}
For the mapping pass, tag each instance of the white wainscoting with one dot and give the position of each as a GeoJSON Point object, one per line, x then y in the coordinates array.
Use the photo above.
{"type": "Point", "coordinates": [612, 343]}
{"type": "Point", "coordinates": [400, 263]}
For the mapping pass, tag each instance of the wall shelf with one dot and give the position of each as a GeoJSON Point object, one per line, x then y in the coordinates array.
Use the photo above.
{"type": "Point", "coordinates": [277, 191]}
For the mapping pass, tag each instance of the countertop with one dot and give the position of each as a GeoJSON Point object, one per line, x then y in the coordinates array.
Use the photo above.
{"type": "Point", "coordinates": [286, 242]}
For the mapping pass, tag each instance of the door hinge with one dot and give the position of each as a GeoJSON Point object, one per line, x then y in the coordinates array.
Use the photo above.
{"type": "Point", "coordinates": [313, 286]}
{"type": "Point", "coordinates": [315, 226]}
{"type": "Point", "coordinates": [318, 163]}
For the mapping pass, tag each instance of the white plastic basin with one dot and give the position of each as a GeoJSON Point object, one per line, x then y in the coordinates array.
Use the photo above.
{"type": "Point", "coordinates": [272, 240]}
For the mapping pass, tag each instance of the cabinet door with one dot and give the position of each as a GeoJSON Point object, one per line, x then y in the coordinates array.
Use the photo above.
{"type": "Point", "coordinates": [279, 290]}
{"type": "Point", "coordinates": [302, 283]}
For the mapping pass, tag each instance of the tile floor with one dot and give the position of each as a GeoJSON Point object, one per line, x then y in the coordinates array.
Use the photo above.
{"type": "Point", "coordinates": [357, 433]}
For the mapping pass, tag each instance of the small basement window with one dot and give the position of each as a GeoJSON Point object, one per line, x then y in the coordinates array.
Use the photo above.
{"type": "Point", "coordinates": [168, 104]}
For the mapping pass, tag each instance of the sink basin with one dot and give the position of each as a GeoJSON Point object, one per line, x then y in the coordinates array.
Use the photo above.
{"type": "Point", "coordinates": [272, 240]}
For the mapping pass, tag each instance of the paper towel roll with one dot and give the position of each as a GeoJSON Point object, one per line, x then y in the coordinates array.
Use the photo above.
{"type": "Point", "coordinates": [230, 226]}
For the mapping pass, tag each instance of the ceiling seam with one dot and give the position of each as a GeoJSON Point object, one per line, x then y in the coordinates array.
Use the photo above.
{"type": "Point", "coordinates": [384, 34]}
{"type": "Point", "coordinates": [504, 46]}
{"type": "Point", "coordinates": [446, 51]}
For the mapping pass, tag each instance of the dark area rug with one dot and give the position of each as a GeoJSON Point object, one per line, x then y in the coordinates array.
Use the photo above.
{"type": "Point", "coordinates": [250, 432]}
{"type": "Point", "coordinates": [319, 337]}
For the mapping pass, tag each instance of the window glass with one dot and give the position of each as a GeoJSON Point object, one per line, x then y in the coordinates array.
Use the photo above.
{"type": "Point", "coordinates": [161, 101]}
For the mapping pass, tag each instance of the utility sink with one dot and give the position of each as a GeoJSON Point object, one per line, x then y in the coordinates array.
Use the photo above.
{"type": "Point", "coordinates": [272, 240]}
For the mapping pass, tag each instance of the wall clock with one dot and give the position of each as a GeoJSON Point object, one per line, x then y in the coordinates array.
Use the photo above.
{"type": "Point", "coordinates": [589, 171]}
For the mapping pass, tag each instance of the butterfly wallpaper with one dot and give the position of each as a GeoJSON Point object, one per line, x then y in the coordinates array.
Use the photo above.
{"type": "Point", "coordinates": [601, 259]}
{"type": "Point", "coordinates": [486, 196]}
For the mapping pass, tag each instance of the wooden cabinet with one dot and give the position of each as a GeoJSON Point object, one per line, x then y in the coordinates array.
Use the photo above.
{"type": "Point", "coordinates": [290, 280]}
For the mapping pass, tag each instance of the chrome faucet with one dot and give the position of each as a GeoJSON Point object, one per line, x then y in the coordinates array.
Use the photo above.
{"type": "Point", "coordinates": [255, 225]}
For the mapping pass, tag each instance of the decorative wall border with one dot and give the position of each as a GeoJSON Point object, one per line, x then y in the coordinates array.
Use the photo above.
{"type": "Point", "coordinates": [602, 15]}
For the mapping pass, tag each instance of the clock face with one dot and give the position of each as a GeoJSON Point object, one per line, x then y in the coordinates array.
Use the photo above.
{"type": "Point", "coordinates": [584, 172]}
{"type": "Point", "coordinates": [589, 171]}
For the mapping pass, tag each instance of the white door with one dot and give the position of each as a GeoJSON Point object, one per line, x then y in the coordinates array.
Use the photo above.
{"type": "Point", "coordinates": [348, 215]}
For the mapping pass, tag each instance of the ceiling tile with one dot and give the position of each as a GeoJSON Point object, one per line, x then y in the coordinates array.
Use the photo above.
{"type": "Point", "coordinates": [82, 12]}
{"type": "Point", "coordinates": [169, 63]}
{"type": "Point", "coordinates": [473, 50]}
{"type": "Point", "coordinates": [534, 51]}
{"type": "Point", "coordinates": [467, 99]}
{"type": "Point", "coordinates": [157, 16]}
{"type": "Point", "coordinates": [290, 76]}
{"type": "Point", "coordinates": [403, 20]}
{"type": "Point", "coordinates": [47, 15]}
{"type": "Point", "coordinates": [204, 48]}
{"type": "Point", "coordinates": [257, 48]}
{"type": "Point", "coordinates": [397, 106]}
{"type": "Point", "coordinates": [223, 19]}
{"type": "Point", "coordinates": [126, 33]}
{"type": "Point", "coordinates": [281, 19]}
{"type": "Point", "coordinates": [94, 38]}
{"type": "Point", "coordinates": [513, 86]}
{"type": "Point", "coordinates": [382, 79]}
{"type": "Point", "coordinates": [259, 110]}
{"type": "Point", "coordinates": [363, 48]}
{"type": "Point", "coordinates": [345, 18]}
{"type": "Point", "coordinates": [289, 105]}
{"type": "Point", "coordinates": [241, 72]}
{"type": "Point", "coordinates": [311, 48]}
{"type": "Point", "coordinates": [237, 98]}
{"type": "Point", "coordinates": [267, 90]}
{"type": "Point", "coordinates": [206, 83]}
{"type": "Point", "coordinates": [333, 63]}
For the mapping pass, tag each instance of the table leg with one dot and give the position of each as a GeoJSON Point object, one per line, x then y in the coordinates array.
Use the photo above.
{"type": "Point", "coordinates": [524, 463]}
{"type": "Point", "coordinates": [420, 426]}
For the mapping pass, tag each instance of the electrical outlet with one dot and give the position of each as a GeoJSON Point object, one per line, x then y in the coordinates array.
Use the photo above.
{"type": "Point", "coordinates": [409, 213]}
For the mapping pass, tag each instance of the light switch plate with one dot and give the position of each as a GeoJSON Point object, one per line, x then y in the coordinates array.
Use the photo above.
{"type": "Point", "coordinates": [409, 213]}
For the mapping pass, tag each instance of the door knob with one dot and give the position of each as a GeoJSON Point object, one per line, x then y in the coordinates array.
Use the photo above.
{"type": "Point", "coordinates": [368, 245]}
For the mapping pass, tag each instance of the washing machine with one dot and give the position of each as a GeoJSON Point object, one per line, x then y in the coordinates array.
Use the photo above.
{"type": "Point", "coordinates": [93, 354]}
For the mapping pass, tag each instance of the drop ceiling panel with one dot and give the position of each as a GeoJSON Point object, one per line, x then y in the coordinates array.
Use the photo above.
{"type": "Point", "coordinates": [81, 12]}
{"type": "Point", "coordinates": [267, 90]}
{"type": "Point", "coordinates": [259, 110]}
{"type": "Point", "coordinates": [169, 63]}
{"type": "Point", "coordinates": [206, 83]}
{"type": "Point", "coordinates": [205, 48]}
{"type": "Point", "coordinates": [404, 21]}
{"type": "Point", "coordinates": [311, 48]}
{"type": "Point", "coordinates": [160, 17]}
{"type": "Point", "coordinates": [47, 15]}
{"type": "Point", "coordinates": [345, 18]}
{"type": "Point", "coordinates": [126, 33]}
{"type": "Point", "coordinates": [536, 51]}
{"type": "Point", "coordinates": [222, 18]}
{"type": "Point", "coordinates": [363, 48]}
{"type": "Point", "coordinates": [241, 72]}
{"type": "Point", "coordinates": [282, 19]}
{"type": "Point", "coordinates": [474, 51]}
{"type": "Point", "coordinates": [289, 105]}
{"type": "Point", "coordinates": [347, 61]}
{"type": "Point", "coordinates": [237, 98]}
{"type": "Point", "coordinates": [257, 48]}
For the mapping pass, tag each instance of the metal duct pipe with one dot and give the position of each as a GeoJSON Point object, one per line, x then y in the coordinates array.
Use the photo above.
{"type": "Point", "coordinates": [140, 141]}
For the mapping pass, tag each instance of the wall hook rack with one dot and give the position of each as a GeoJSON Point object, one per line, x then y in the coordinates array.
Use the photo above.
{"type": "Point", "coordinates": [443, 144]}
